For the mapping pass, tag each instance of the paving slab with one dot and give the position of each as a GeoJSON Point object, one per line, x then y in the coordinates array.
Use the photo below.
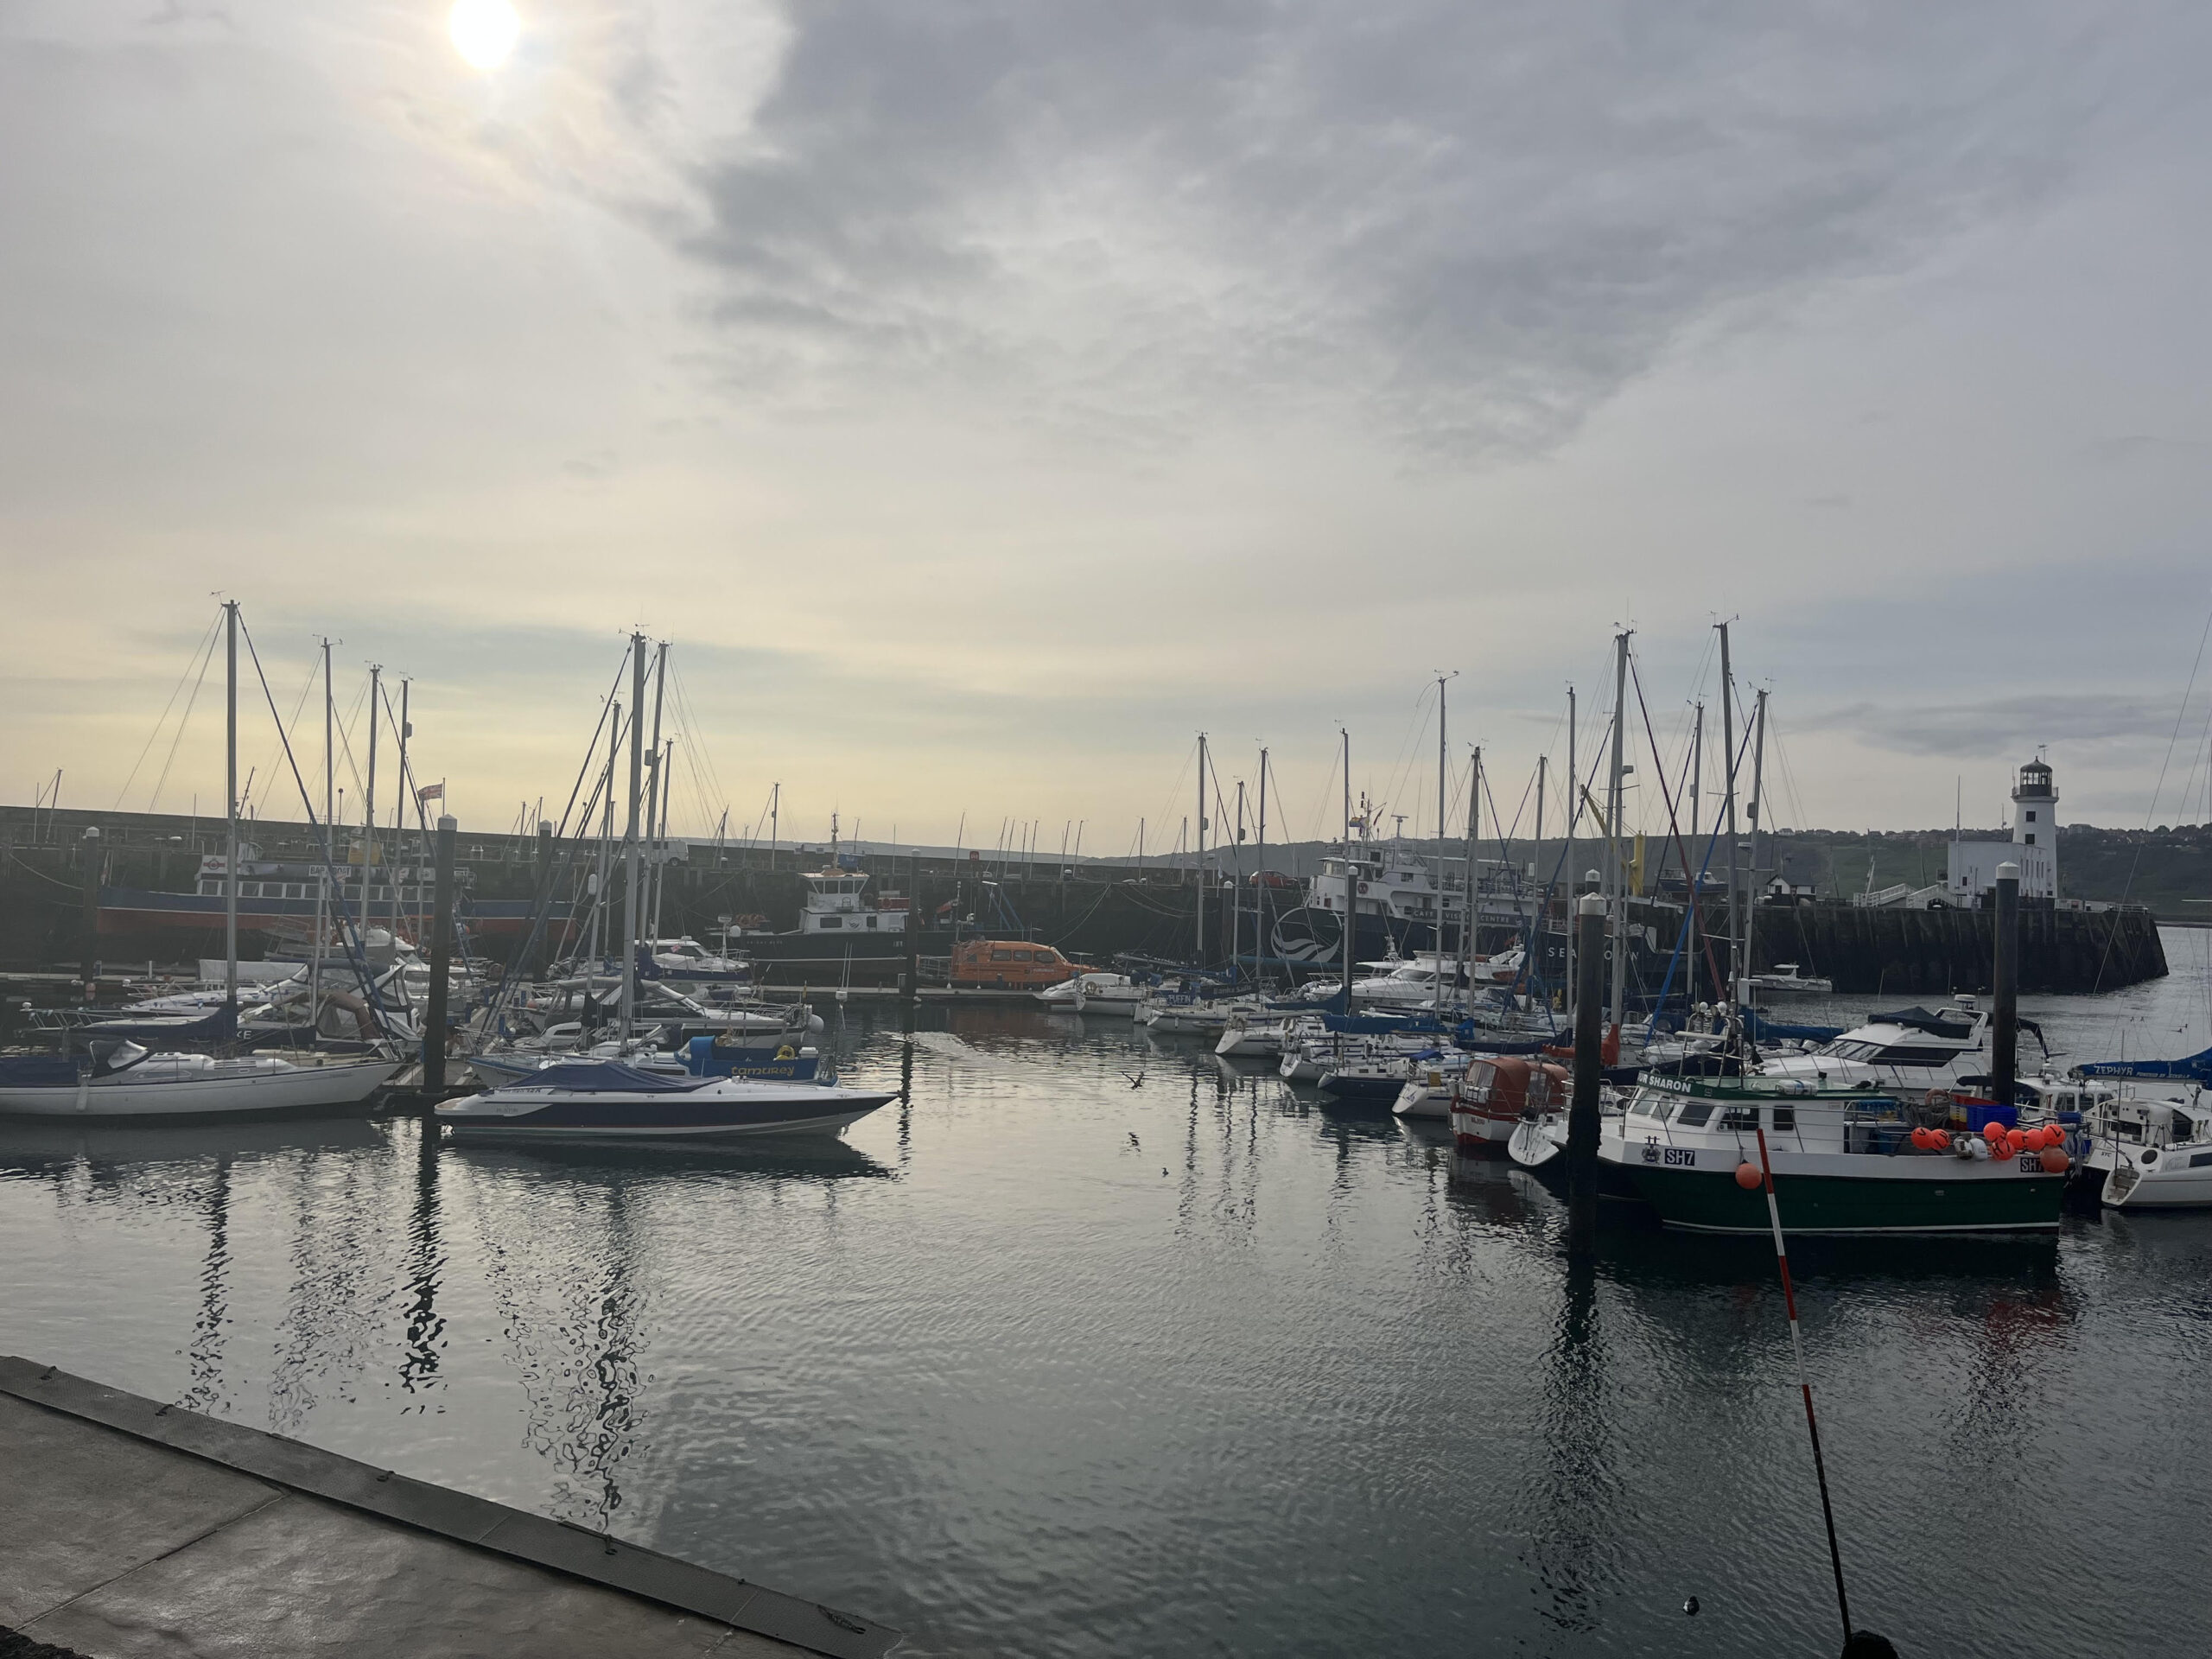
{"type": "Point", "coordinates": [85, 1505]}
{"type": "Point", "coordinates": [139, 1530]}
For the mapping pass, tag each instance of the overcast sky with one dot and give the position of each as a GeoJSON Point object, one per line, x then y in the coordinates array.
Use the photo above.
{"type": "Point", "coordinates": [985, 397]}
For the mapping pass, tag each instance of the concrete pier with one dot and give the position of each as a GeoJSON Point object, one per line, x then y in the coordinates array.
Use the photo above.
{"type": "Point", "coordinates": [136, 1530]}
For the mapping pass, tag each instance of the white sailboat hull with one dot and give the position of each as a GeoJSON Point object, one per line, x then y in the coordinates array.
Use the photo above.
{"type": "Point", "coordinates": [255, 1093]}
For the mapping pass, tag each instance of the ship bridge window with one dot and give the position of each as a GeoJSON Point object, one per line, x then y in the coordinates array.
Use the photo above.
{"type": "Point", "coordinates": [1785, 1117]}
{"type": "Point", "coordinates": [210, 889]}
{"type": "Point", "coordinates": [1695, 1115]}
{"type": "Point", "coordinates": [833, 921]}
{"type": "Point", "coordinates": [1740, 1117]}
{"type": "Point", "coordinates": [1648, 1106]}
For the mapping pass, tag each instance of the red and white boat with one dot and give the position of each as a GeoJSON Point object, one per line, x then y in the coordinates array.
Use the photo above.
{"type": "Point", "coordinates": [1498, 1092]}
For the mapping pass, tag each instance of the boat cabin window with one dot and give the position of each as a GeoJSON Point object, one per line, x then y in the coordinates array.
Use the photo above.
{"type": "Point", "coordinates": [1740, 1117]}
{"type": "Point", "coordinates": [1785, 1117]}
{"type": "Point", "coordinates": [1695, 1115]}
{"type": "Point", "coordinates": [833, 921]}
{"type": "Point", "coordinates": [1002, 956]}
{"type": "Point", "coordinates": [1649, 1106]}
{"type": "Point", "coordinates": [1021, 956]}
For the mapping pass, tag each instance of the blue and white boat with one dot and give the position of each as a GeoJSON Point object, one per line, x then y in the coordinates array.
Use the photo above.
{"type": "Point", "coordinates": [606, 1100]}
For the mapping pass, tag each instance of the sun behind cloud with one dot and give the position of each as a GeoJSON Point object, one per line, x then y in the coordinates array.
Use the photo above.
{"type": "Point", "coordinates": [484, 31]}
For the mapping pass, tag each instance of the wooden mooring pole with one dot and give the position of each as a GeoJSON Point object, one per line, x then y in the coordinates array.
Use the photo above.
{"type": "Point", "coordinates": [1589, 1070]}
{"type": "Point", "coordinates": [2004, 988]}
{"type": "Point", "coordinates": [434, 1022]}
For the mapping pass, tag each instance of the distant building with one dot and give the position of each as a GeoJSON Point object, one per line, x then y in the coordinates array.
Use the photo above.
{"type": "Point", "coordinates": [2034, 845]}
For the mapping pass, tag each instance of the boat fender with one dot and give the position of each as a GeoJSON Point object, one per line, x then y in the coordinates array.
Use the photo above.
{"type": "Point", "coordinates": [1747, 1176]}
{"type": "Point", "coordinates": [787, 1052]}
{"type": "Point", "coordinates": [2054, 1161]}
{"type": "Point", "coordinates": [1978, 1149]}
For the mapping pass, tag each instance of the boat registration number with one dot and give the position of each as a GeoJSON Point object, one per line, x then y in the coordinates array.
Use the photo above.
{"type": "Point", "coordinates": [1674, 1157]}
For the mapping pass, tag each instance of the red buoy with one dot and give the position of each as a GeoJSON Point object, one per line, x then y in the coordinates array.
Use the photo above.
{"type": "Point", "coordinates": [1747, 1176]}
{"type": "Point", "coordinates": [2055, 1162]}
{"type": "Point", "coordinates": [1993, 1131]}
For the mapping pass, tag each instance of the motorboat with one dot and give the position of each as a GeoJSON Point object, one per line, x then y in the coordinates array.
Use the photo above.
{"type": "Point", "coordinates": [1426, 982]}
{"type": "Point", "coordinates": [608, 1100]}
{"type": "Point", "coordinates": [1909, 1049]}
{"type": "Point", "coordinates": [702, 1056]}
{"type": "Point", "coordinates": [1786, 979]}
{"type": "Point", "coordinates": [1093, 993]}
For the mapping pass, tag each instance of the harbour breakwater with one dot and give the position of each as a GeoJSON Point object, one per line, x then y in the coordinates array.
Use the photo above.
{"type": "Point", "coordinates": [1092, 910]}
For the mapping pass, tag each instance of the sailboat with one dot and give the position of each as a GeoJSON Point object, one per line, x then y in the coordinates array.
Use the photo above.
{"type": "Point", "coordinates": [114, 1076]}
{"type": "Point", "coordinates": [625, 1095]}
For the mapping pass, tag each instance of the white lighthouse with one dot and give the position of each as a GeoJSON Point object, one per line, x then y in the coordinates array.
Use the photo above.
{"type": "Point", "coordinates": [2034, 846]}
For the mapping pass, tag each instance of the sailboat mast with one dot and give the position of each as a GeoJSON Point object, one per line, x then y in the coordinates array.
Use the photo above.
{"type": "Point", "coordinates": [323, 877]}
{"type": "Point", "coordinates": [1728, 807]}
{"type": "Point", "coordinates": [1573, 812]}
{"type": "Point", "coordinates": [1441, 753]}
{"type": "Point", "coordinates": [1351, 878]}
{"type": "Point", "coordinates": [1614, 859]}
{"type": "Point", "coordinates": [399, 817]}
{"type": "Point", "coordinates": [369, 805]}
{"type": "Point", "coordinates": [667, 772]}
{"type": "Point", "coordinates": [1200, 864]}
{"type": "Point", "coordinates": [1260, 889]}
{"type": "Point", "coordinates": [230, 794]}
{"type": "Point", "coordinates": [606, 842]}
{"type": "Point", "coordinates": [654, 827]}
{"type": "Point", "coordinates": [1758, 803]}
{"type": "Point", "coordinates": [629, 836]}
{"type": "Point", "coordinates": [1468, 911]}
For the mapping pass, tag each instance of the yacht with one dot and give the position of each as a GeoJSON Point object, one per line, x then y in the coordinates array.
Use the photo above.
{"type": "Point", "coordinates": [1786, 979]}
{"type": "Point", "coordinates": [1093, 993]}
{"type": "Point", "coordinates": [1910, 1049]}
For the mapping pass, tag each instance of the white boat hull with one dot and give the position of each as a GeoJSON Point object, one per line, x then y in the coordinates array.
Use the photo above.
{"type": "Point", "coordinates": [254, 1094]}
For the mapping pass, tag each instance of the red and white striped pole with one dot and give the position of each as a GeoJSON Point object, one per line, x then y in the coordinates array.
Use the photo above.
{"type": "Point", "coordinates": [1804, 1386]}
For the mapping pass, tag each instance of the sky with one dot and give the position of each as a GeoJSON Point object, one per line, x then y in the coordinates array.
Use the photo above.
{"type": "Point", "coordinates": [985, 398]}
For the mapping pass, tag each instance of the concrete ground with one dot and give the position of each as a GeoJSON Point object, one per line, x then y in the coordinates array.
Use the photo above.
{"type": "Point", "coordinates": [133, 1530]}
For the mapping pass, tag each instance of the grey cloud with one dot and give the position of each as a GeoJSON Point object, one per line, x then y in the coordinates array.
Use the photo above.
{"type": "Point", "coordinates": [2008, 727]}
{"type": "Point", "coordinates": [1475, 221]}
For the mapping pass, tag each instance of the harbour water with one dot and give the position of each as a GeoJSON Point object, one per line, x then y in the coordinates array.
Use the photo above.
{"type": "Point", "coordinates": [1095, 1345]}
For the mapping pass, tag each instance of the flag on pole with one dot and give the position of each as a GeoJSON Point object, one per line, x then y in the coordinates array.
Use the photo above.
{"type": "Point", "coordinates": [431, 792]}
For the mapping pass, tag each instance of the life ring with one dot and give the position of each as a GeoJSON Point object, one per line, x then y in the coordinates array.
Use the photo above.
{"type": "Point", "coordinates": [787, 1052]}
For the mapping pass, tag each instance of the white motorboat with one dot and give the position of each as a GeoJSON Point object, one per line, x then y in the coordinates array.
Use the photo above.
{"type": "Point", "coordinates": [1786, 979]}
{"type": "Point", "coordinates": [1909, 1049]}
{"type": "Point", "coordinates": [606, 1100]}
{"type": "Point", "coordinates": [1093, 993]}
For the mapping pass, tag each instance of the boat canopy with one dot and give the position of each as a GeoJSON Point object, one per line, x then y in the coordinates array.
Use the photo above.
{"type": "Point", "coordinates": [608, 1076]}
{"type": "Point", "coordinates": [2197, 1068]}
{"type": "Point", "coordinates": [1919, 1019]}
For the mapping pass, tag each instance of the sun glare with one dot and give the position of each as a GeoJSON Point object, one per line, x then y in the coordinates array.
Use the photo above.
{"type": "Point", "coordinates": [483, 31]}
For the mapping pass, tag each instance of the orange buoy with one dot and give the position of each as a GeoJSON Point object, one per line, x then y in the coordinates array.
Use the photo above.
{"type": "Point", "coordinates": [2055, 1162]}
{"type": "Point", "coordinates": [1920, 1139]}
{"type": "Point", "coordinates": [1748, 1176]}
{"type": "Point", "coordinates": [1993, 1131]}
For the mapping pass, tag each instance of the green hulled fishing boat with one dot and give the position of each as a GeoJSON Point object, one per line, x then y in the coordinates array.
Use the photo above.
{"type": "Point", "coordinates": [1845, 1161]}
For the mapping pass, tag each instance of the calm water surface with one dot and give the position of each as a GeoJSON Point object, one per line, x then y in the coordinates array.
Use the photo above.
{"type": "Point", "coordinates": [1096, 1347]}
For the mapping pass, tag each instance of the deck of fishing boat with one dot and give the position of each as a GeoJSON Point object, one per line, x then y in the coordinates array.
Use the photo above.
{"type": "Point", "coordinates": [139, 1530]}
